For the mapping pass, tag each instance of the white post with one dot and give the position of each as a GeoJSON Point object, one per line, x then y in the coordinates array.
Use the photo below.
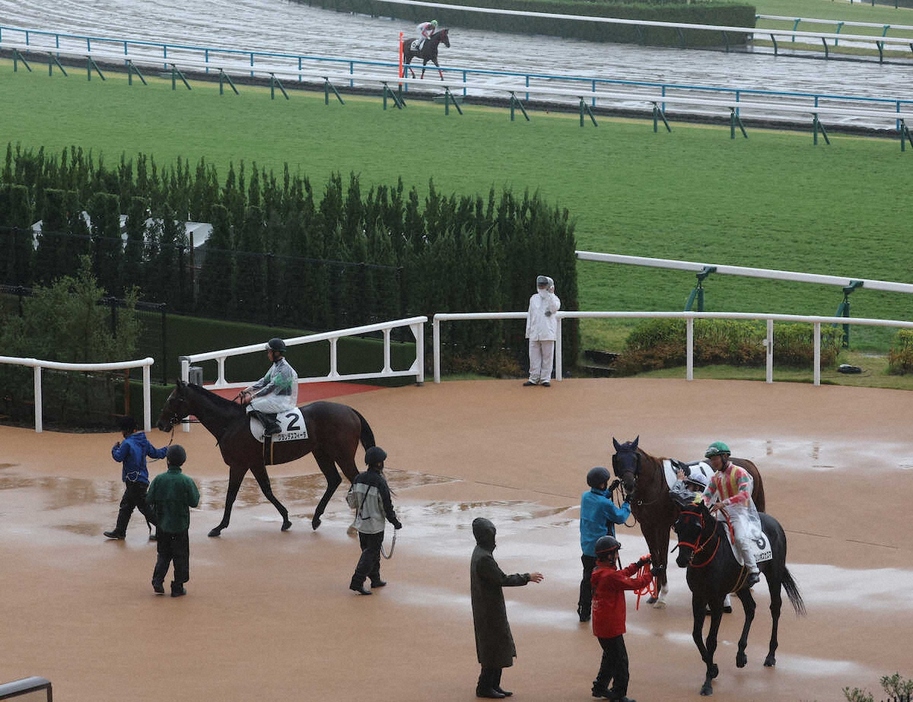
{"type": "Point", "coordinates": [418, 331]}
{"type": "Point", "coordinates": [334, 371]}
{"type": "Point", "coordinates": [436, 347]}
{"type": "Point", "coordinates": [817, 335]}
{"type": "Point", "coordinates": [147, 397]}
{"type": "Point", "coordinates": [559, 352]}
{"type": "Point", "coordinates": [387, 368]}
{"type": "Point", "coordinates": [39, 421]}
{"type": "Point", "coordinates": [689, 352]}
{"type": "Point", "coordinates": [770, 350]}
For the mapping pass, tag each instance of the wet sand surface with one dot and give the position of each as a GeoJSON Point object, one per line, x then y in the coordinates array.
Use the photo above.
{"type": "Point", "coordinates": [269, 616]}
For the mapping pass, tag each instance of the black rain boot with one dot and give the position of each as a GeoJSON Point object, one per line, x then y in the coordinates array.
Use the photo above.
{"type": "Point", "coordinates": [177, 589]}
{"type": "Point", "coordinates": [497, 685]}
{"type": "Point", "coordinates": [485, 688]}
{"type": "Point", "coordinates": [120, 530]}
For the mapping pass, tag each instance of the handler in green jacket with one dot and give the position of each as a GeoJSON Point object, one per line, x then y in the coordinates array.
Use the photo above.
{"type": "Point", "coordinates": [171, 495]}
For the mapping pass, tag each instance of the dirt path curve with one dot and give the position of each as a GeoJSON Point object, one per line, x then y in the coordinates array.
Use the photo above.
{"type": "Point", "coordinates": [269, 615]}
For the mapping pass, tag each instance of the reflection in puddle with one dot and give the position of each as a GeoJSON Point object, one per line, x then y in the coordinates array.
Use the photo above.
{"type": "Point", "coordinates": [83, 529]}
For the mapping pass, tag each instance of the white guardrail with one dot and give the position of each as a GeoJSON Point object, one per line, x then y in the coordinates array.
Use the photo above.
{"type": "Point", "coordinates": [38, 365]}
{"type": "Point", "coordinates": [688, 316]}
{"type": "Point", "coordinates": [417, 369]}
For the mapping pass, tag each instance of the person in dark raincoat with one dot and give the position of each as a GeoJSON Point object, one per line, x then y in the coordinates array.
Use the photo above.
{"type": "Point", "coordinates": [494, 644]}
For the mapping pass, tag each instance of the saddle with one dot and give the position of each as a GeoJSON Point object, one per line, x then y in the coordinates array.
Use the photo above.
{"type": "Point", "coordinates": [291, 426]}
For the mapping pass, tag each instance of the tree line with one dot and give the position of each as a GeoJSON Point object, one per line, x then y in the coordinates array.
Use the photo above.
{"type": "Point", "coordinates": [282, 252]}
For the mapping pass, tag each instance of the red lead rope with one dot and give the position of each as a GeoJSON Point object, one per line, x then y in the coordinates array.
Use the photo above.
{"type": "Point", "coordinates": [651, 588]}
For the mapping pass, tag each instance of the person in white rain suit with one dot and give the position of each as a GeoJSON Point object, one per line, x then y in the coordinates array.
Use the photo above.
{"type": "Point", "coordinates": [542, 331]}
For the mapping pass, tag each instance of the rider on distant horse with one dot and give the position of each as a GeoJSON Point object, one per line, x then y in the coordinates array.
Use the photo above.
{"type": "Point", "coordinates": [425, 30]}
{"type": "Point", "coordinates": [730, 488]}
{"type": "Point", "coordinates": [276, 392]}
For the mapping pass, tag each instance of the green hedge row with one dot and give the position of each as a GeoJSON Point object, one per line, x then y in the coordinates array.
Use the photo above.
{"type": "Point", "coordinates": [662, 343]}
{"type": "Point", "coordinates": [900, 356]}
{"type": "Point", "coordinates": [674, 11]}
{"type": "Point", "coordinates": [283, 253]}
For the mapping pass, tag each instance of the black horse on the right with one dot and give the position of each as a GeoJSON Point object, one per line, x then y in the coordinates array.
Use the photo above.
{"type": "Point", "coordinates": [713, 571]}
{"type": "Point", "coordinates": [427, 53]}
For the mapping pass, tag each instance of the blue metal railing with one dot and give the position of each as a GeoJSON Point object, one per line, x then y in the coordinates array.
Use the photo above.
{"type": "Point", "coordinates": [40, 40]}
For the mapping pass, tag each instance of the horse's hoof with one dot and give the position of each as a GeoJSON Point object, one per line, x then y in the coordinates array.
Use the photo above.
{"type": "Point", "coordinates": [215, 532]}
{"type": "Point", "coordinates": [706, 690]}
{"type": "Point", "coordinates": [286, 525]}
{"type": "Point", "coordinates": [315, 522]}
{"type": "Point", "coordinates": [651, 600]}
{"type": "Point", "coordinates": [741, 660]}
{"type": "Point", "coordinates": [659, 604]}
{"type": "Point", "coordinates": [770, 661]}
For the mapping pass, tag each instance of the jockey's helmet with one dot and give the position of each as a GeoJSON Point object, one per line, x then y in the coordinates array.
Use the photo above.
{"type": "Point", "coordinates": [542, 280]}
{"type": "Point", "coordinates": [597, 476]}
{"type": "Point", "coordinates": [434, 23]}
{"type": "Point", "coordinates": [176, 455]}
{"type": "Point", "coordinates": [276, 344]}
{"type": "Point", "coordinates": [375, 456]}
{"type": "Point", "coordinates": [697, 480]}
{"type": "Point", "coordinates": [606, 544]}
{"type": "Point", "coordinates": [717, 448]}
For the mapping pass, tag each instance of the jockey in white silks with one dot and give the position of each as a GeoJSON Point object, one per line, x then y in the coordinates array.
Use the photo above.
{"type": "Point", "coordinates": [275, 392]}
{"type": "Point", "coordinates": [730, 488]}
{"type": "Point", "coordinates": [425, 30]}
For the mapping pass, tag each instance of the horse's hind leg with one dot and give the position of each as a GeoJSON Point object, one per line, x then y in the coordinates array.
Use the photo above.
{"type": "Point", "coordinates": [235, 476]}
{"type": "Point", "coordinates": [263, 481]}
{"type": "Point", "coordinates": [748, 603]}
{"type": "Point", "coordinates": [328, 468]}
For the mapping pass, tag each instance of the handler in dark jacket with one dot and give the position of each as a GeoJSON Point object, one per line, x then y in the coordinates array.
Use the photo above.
{"type": "Point", "coordinates": [494, 643]}
{"type": "Point", "coordinates": [171, 495]}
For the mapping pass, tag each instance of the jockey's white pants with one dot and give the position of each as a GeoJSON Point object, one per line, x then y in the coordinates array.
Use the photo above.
{"type": "Point", "coordinates": [743, 543]}
{"type": "Point", "coordinates": [541, 358]}
{"type": "Point", "coordinates": [271, 404]}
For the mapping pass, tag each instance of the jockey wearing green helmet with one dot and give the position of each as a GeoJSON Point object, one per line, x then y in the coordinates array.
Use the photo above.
{"type": "Point", "coordinates": [717, 448]}
{"type": "Point", "coordinates": [729, 492]}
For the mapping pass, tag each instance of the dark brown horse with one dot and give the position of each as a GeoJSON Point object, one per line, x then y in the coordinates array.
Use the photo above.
{"type": "Point", "coordinates": [334, 431]}
{"type": "Point", "coordinates": [644, 483]}
{"type": "Point", "coordinates": [427, 53]}
{"type": "Point", "coordinates": [703, 547]}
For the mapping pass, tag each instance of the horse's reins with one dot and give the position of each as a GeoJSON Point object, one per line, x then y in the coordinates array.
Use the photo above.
{"type": "Point", "coordinates": [698, 546]}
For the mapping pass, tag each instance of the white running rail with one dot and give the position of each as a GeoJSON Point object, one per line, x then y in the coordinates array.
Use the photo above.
{"type": "Point", "coordinates": [688, 316]}
{"type": "Point", "coordinates": [38, 366]}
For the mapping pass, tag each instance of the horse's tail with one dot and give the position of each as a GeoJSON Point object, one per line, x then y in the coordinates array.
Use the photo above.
{"type": "Point", "coordinates": [367, 435]}
{"type": "Point", "coordinates": [792, 591]}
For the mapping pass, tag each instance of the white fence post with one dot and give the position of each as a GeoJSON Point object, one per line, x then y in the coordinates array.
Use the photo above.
{"type": "Point", "coordinates": [39, 411]}
{"type": "Point", "coordinates": [38, 366]}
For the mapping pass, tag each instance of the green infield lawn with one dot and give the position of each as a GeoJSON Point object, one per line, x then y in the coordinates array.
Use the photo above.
{"type": "Point", "coordinates": [773, 200]}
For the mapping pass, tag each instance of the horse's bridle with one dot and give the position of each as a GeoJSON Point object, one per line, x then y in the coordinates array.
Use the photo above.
{"type": "Point", "coordinates": [701, 543]}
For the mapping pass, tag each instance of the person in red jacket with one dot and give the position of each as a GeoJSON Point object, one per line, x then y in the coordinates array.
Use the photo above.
{"type": "Point", "coordinates": [609, 615]}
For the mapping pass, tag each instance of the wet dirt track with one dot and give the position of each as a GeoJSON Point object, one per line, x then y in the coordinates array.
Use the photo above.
{"type": "Point", "coordinates": [282, 26]}
{"type": "Point", "coordinates": [269, 615]}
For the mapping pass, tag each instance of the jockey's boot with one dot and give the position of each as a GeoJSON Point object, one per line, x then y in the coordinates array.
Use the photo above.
{"type": "Point", "coordinates": [270, 425]}
{"type": "Point", "coordinates": [753, 579]}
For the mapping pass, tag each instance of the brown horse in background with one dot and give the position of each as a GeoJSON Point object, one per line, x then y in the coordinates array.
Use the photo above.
{"type": "Point", "coordinates": [334, 431]}
{"type": "Point", "coordinates": [644, 483]}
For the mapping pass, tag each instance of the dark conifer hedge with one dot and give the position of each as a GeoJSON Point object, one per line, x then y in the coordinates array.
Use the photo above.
{"type": "Point", "coordinates": [283, 255]}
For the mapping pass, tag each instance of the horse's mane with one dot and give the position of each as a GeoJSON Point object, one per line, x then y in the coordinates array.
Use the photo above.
{"type": "Point", "coordinates": [217, 401]}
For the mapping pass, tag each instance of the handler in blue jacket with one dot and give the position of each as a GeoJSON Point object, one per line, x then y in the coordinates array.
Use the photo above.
{"type": "Point", "coordinates": [598, 517]}
{"type": "Point", "coordinates": [132, 452]}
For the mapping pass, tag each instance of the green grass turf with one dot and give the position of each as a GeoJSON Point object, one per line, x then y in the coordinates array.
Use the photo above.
{"type": "Point", "coordinates": [773, 200]}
